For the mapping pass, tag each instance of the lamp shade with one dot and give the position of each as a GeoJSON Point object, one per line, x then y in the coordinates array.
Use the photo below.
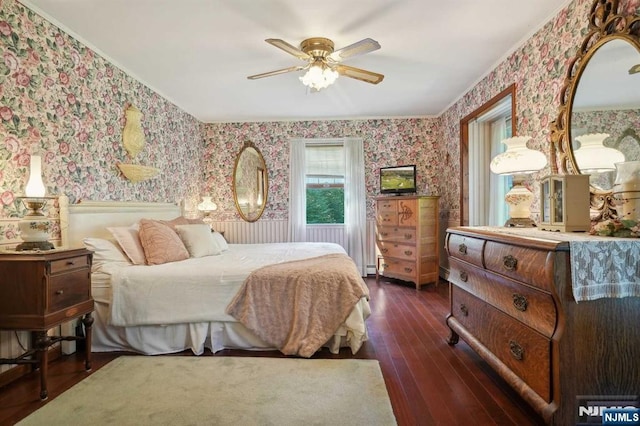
{"type": "Point", "coordinates": [35, 186]}
{"type": "Point", "coordinates": [207, 205]}
{"type": "Point", "coordinates": [319, 76]}
{"type": "Point", "coordinates": [593, 156]}
{"type": "Point", "coordinates": [518, 159]}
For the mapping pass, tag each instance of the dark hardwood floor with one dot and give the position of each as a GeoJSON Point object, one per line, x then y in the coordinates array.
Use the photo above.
{"type": "Point", "coordinates": [429, 382]}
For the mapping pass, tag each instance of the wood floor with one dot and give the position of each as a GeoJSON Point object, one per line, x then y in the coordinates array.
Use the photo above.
{"type": "Point", "coordinates": [429, 382]}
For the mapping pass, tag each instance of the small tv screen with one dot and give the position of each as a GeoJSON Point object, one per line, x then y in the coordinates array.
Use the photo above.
{"type": "Point", "coordinates": [398, 179]}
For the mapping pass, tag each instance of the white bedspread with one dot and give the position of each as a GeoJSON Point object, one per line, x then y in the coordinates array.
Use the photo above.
{"type": "Point", "coordinates": [196, 289]}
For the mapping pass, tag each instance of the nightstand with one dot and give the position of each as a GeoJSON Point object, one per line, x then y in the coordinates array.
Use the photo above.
{"type": "Point", "coordinates": [40, 290]}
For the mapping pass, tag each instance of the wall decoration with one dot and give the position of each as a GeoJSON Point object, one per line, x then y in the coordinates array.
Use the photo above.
{"type": "Point", "coordinates": [133, 142]}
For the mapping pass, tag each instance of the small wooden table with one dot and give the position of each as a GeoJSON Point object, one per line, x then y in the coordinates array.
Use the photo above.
{"type": "Point", "coordinates": [40, 290]}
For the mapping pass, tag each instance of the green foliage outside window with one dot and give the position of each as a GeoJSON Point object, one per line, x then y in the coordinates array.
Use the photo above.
{"type": "Point", "coordinates": [325, 205]}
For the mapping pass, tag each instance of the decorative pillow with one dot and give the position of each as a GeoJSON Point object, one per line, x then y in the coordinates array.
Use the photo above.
{"type": "Point", "coordinates": [129, 240]}
{"type": "Point", "coordinates": [198, 239]}
{"type": "Point", "coordinates": [222, 243]}
{"type": "Point", "coordinates": [161, 244]}
{"type": "Point", "coordinates": [104, 251]}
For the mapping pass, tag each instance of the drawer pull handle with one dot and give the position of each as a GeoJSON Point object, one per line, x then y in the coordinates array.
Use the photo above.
{"type": "Point", "coordinates": [464, 309]}
{"type": "Point", "coordinates": [407, 270]}
{"type": "Point", "coordinates": [60, 292]}
{"type": "Point", "coordinates": [510, 263]}
{"type": "Point", "coordinates": [408, 236]}
{"type": "Point", "coordinates": [384, 250]}
{"type": "Point", "coordinates": [408, 252]}
{"type": "Point", "coordinates": [520, 302]}
{"type": "Point", "coordinates": [463, 276]}
{"type": "Point", "coordinates": [516, 350]}
{"type": "Point", "coordinates": [71, 262]}
{"type": "Point", "coordinates": [462, 248]}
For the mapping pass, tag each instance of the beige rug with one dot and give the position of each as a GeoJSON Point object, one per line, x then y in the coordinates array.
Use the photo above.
{"type": "Point", "coordinates": [190, 390]}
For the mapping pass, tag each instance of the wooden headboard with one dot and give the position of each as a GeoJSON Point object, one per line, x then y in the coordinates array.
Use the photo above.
{"type": "Point", "coordinates": [91, 218]}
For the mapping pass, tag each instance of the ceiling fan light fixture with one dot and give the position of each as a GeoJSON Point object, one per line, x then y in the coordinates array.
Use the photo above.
{"type": "Point", "coordinates": [319, 76]}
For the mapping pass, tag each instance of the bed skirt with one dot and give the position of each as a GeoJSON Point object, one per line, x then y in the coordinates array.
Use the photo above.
{"type": "Point", "coordinates": [215, 336]}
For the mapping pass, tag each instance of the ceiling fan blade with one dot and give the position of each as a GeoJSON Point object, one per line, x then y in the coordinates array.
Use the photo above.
{"type": "Point", "coordinates": [359, 74]}
{"type": "Point", "coordinates": [634, 69]}
{"type": "Point", "coordinates": [292, 50]}
{"type": "Point", "coordinates": [276, 72]}
{"type": "Point", "coordinates": [359, 48]}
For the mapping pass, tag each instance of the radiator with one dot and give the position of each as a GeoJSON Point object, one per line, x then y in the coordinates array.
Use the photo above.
{"type": "Point", "coordinates": [275, 231]}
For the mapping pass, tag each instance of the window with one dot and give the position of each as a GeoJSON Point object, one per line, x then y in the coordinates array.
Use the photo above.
{"type": "Point", "coordinates": [324, 183]}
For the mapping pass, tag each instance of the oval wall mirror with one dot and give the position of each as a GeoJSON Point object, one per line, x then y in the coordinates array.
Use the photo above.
{"type": "Point", "coordinates": [600, 96]}
{"type": "Point", "coordinates": [250, 183]}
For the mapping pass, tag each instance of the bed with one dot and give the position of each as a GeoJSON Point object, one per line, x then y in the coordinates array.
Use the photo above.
{"type": "Point", "coordinates": [207, 301]}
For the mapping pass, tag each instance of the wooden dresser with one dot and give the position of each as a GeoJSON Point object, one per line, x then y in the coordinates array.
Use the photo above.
{"type": "Point", "coordinates": [407, 238]}
{"type": "Point", "coordinates": [512, 302]}
{"type": "Point", "coordinates": [41, 290]}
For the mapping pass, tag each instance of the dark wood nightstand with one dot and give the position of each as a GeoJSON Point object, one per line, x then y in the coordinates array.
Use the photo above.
{"type": "Point", "coordinates": [41, 290]}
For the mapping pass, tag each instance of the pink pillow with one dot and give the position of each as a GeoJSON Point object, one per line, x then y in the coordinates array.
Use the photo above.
{"type": "Point", "coordinates": [161, 244]}
{"type": "Point", "coordinates": [129, 241]}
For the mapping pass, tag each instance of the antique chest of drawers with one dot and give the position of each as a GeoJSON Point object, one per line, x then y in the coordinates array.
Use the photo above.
{"type": "Point", "coordinates": [407, 238]}
{"type": "Point", "coordinates": [512, 302]}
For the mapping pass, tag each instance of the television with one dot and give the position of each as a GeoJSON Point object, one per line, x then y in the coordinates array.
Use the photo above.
{"type": "Point", "coordinates": [398, 179]}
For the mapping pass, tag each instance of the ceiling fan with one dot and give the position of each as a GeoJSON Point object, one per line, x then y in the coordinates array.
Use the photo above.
{"type": "Point", "coordinates": [323, 63]}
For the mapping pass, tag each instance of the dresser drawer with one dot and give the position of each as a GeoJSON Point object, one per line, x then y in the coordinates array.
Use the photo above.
{"type": "Point", "coordinates": [68, 289]}
{"type": "Point", "coordinates": [69, 264]}
{"type": "Point", "coordinates": [391, 249]}
{"type": "Point", "coordinates": [466, 248]}
{"type": "Point", "coordinates": [528, 265]}
{"type": "Point", "coordinates": [396, 268]}
{"type": "Point", "coordinates": [526, 352]}
{"type": "Point", "coordinates": [533, 307]}
{"type": "Point", "coordinates": [396, 234]}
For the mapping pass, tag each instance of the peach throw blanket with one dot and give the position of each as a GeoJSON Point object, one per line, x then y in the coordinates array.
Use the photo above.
{"type": "Point", "coordinates": [297, 306]}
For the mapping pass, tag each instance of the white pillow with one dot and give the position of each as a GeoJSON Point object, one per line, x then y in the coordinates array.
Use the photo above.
{"type": "Point", "coordinates": [129, 240]}
{"type": "Point", "coordinates": [105, 252]}
{"type": "Point", "coordinates": [222, 243]}
{"type": "Point", "coordinates": [198, 239]}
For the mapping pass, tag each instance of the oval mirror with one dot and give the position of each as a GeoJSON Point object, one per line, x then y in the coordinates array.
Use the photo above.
{"type": "Point", "coordinates": [607, 103]}
{"type": "Point", "coordinates": [250, 183]}
{"type": "Point", "coordinates": [600, 95]}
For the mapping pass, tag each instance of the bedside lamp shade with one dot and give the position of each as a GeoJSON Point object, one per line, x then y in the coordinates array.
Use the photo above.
{"type": "Point", "coordinates": [35, 186]}
{"type": "Point", "coordinates": [518, 160]}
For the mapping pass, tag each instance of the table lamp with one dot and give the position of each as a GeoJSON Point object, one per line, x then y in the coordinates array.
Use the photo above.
{"type": "Point", "coordinates": [518, 161]}
{"type": "Point", "coordinates": [34, 225]}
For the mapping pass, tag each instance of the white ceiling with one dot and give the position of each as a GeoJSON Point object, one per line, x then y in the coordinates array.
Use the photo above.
{"type": "Point", "coordinates": [198, 53]}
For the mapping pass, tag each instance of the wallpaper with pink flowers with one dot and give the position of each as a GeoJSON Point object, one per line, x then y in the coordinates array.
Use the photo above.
{"type": "Point", "coordinates": [59, 100]}
{"type": "Point", "coordinates": [62, 101]}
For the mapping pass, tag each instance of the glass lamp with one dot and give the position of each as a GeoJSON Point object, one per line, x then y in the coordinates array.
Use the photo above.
{"type": "Point", "coordinates": [518, 161]}
{"type": "Point", "coordinates": [593, 156]}
{"type": "Point", "coordinates": [34, 225]}
{"type": "Point", "coordinates": [319, 76]}
{"type": "Point", "coordinates": [207, 206]}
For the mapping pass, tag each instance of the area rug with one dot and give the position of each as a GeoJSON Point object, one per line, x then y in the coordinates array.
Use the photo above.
{"type": "Point", "coordinates": [190, 390]}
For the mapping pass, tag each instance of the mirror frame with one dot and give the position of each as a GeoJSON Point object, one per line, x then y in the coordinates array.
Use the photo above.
{"type": "Point", "coordinates": [262, 178]}
{"type": "Point", "coordinates": [605, 24]}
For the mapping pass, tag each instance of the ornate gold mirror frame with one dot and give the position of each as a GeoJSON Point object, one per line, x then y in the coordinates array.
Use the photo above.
{"type": "Point", "coordinates": [605, 24]}
{"type": "Point", "coordinates": [250, 182]}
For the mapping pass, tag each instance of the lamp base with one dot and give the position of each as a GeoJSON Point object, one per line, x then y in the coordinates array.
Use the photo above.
{"type": "Point", "coordinates": [34, 245]}
{"type": "Point", "coordinates": [520, 222]}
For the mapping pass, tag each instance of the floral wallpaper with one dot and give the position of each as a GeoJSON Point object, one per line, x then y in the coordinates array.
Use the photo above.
{"type": "Point", "coordinates": [386, 142]}
{"type": "Point", "coordinates": [60, 100]}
